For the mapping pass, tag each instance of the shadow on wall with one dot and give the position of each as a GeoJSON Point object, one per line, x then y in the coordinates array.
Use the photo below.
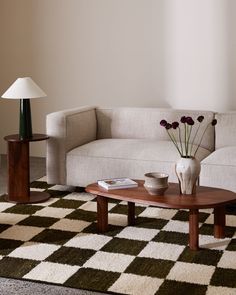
{"type": "Point", "coordinates": [231, 66]}
{"type": "Point", "coordinates": [199, 56]}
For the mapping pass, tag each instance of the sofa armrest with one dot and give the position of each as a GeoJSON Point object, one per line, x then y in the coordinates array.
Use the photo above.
{"type": "Point", "coordinates": [67, 129]}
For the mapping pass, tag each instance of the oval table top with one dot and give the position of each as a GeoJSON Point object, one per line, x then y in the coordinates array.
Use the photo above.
{"type": "Point", "coordinates": [205, 197]}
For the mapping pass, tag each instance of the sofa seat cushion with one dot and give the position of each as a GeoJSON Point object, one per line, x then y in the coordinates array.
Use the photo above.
{"type": "Point", "coordinates": [219, 169]}
{"type": "Point", "coordinates": [108, 158]}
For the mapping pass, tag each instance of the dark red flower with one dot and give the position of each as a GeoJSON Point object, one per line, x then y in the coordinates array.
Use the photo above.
{"type": "Point", "coordinates": [200, 118]}
{"type": "Point", "coordinates": [163, 123]}
{"type": "Point", "coordinates": [189, 121]}
{"type": "Point", "coordinates": [175, 125]}
{"type": "Point", "coordinates": [186, 152]}
{"type": "Point", "coordinates": [168, 126]}
{"type": "Point", "coordinates": [214, 122]}
{"type": "Point", "coordinates": [183, 119]}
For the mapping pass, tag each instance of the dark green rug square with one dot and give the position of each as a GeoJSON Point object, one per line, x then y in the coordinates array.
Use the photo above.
{"type": "Point", "coordinates": [155, 223]}
{"type": "Point", "coordinates": [125, 246]}
{"type": "Point", "coordinates": [16, 267]}
{"type": "Point", "coordinates": [40, 184]}
{"type": "Point", "coordinates": [224, 277]}
{"type": "Point", "coordinates": [23, 209]}
{"type": "Point", "coordinates": [79, 189]}
{"type": "Point", "coordinates": [4, 227]}
{"type": "Point", "coordinates": [172, 237]}
{"type": "Point", "coordinates": [230, 231]}
{"type": "Point", "coordinates": [7, 246]}
{"type": "Point", "coordinates": [232, 245]}
{"type": "Point", "coordinates": [123, 209]}
{"type": "Point", "coordinates": [208, 229]}
{"type": "Point", "coordinates": [202, 256]}
{"type": "Point", "coordinates": [182, 215]}
{"type": "Point", "coordinates": [231, 209]}
{"type": "Point", "coordinates": [150, 267]}
{"type": "Point", "coordinates": [3, 198]}
{"type": "Point", "coordinates": [112, 231]}
{"type": "Point", "coordinates": [39, 221]}
{"type": "Point", "coordinates": [112, 201]}
{"type": "Point", "coordinates": [64, 203]}
{"type": "Point", "coordinates": [57, 194]}
{"type": "Point", "coordinates": [181, 288]}
{"type": "Point", "coordinates": [52, 236]}
{"type": "Point", "coordinates": [71, 256]}
{"type": "Point", "coordinates": [83, 215]}
{"type": "Point", "coordinates": [92, 279]}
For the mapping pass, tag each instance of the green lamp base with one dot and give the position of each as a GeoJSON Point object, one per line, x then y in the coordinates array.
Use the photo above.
{"type": "Point", "coordinates": [25, 130]}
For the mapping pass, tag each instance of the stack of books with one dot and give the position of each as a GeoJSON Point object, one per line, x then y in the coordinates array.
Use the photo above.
{"type": "Point", "coordinates": [117, 183]}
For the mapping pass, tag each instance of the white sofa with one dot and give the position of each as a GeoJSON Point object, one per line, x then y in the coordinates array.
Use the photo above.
{"type": "Point", "coordinates": [89, 143]}
{"type": "Point", "coordinates": [219, 168]}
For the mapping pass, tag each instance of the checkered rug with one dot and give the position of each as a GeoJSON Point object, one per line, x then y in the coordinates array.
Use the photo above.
{"type": "Point", "coordinates": [56, 242]}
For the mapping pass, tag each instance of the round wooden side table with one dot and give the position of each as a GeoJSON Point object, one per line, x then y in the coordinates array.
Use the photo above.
{"type": "Point", "coordinates": [19, 170]}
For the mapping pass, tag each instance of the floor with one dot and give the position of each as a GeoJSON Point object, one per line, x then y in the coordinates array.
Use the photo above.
{"type": "Point", "coordinates": [18, 287]}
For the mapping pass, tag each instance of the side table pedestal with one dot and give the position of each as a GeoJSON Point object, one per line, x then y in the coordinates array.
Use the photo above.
{"type": "Point", "coordinates": [19, 170]}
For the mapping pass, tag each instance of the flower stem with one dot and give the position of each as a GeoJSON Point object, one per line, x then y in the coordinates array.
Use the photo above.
{"type": "Point", "coordinates": [188, 138]}
{"type": "Point", "coordinates": [174, 142]}
{"type": "Point", "coordinates": [201, 138]}
{"type": "Point", "coordinates": [185, 139]}
{"type": "Point", "coordinates": [180, 140]}
{"type": "Point", "coordinates": [194, 138]}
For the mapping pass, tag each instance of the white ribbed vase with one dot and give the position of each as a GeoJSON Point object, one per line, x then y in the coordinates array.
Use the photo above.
{"type": "Point", "coordinates": [187, 171]}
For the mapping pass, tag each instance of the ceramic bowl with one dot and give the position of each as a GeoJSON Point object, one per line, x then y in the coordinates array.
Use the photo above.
{"type": "Point", "coordinates": [156, 183]}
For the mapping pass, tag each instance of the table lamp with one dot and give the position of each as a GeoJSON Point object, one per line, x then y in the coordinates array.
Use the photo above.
{"type": "Point", "coordinates": [24, 89]}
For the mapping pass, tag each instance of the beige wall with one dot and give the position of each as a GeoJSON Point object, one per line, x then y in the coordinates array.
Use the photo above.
{"type": "Point", "coordinates": [200, 60]}
{"type": "Point", "coordinates": [167, 53]}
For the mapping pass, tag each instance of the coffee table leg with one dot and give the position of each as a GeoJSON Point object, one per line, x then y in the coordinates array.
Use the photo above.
{"type": "Point", "coordinates": [131, 213]}
{"type": "Point", "coordinates": [102, 214]}
{"type": "Point", "coordinates": [219, 222]}
{"type": "Point", "coordinates": [193, 229]}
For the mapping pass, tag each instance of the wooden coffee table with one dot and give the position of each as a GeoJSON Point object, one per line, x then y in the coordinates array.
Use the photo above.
{"type": "Point", "coordinates": [205, 197]}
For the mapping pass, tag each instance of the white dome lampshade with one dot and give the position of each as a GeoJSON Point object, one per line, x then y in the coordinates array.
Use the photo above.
{"type": "Point", "coordinates": [24, 89]}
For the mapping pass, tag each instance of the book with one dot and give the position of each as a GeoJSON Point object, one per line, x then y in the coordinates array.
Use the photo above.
{"type": "Point", "coordinates": [117, 183]}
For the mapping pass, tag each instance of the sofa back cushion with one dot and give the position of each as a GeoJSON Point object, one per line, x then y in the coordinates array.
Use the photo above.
{"type": "Point", "coordinates": [145, 123]}
{"type": "Point", "coordinates": [225, 129]}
